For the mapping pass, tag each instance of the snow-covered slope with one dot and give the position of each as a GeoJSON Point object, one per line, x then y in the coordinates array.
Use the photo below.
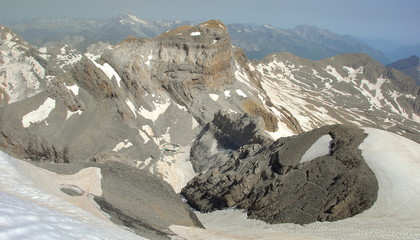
{"type": "Point", "coordinates": [350, 88]}
{"type": "Point", "coordinates": [33, 207]}
{"type": "Point", "coordinates": [395, 215]}
{"type": "Point", "coordinates": [20, 72]}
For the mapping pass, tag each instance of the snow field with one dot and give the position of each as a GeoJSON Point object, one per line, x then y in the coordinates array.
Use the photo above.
{"type": "Point", "coordinates": [33, 207]}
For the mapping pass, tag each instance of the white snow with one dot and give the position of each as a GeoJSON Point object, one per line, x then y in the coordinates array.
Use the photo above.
{"type": "Point", "coordinates": [154, 114]}
{"type": "Point", "coordinates": [227, 93]}
{"type": "Point", "coordinates": [395, 215]}
{"type": "Point", "coordinates": [121, 145]}
{"type": "Point", "coordinates": [194, 123]}
{"type": "Point", "coordinates": [131, 106]}
{"type": "Point", "coordinates": [320, 148]}
{"type": "Point", "coordinates": [213, 96]}
{"type": "Point", "coordinates": [333, 72]}
{"type": "Point", "coordinates": [70, 113]}
{"type": "Point", "coordinates": [149, 58]}
{"type": "Point", "coordinates": [194, 34]}
{"type": "Point", "coordinates": [33, 207]}
{"type": "Point", "coordinates": [74, 88]}
{"type": "Point", "coordinates": [240, 93]}
{"type": "Point", "coordinates": [63, 50]}
{"type": "Point", "coordinates": [40, 114]}
{"type": "Point", "coordinates": [136, 19]}
{"type": "Point", "coordinates": [109, 71]}
{"type": "Point", "coordinates": [144, 136]}
{"type": "Point", "coordinates": [395, 161]}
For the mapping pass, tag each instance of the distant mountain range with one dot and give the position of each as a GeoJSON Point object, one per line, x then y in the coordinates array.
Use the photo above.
{"type": "Point", "coordinates": [257, 40]}
{"type": "Point", "coordinates": [303, 41]}
{"type": "Point", "coordinates": [409, 66]}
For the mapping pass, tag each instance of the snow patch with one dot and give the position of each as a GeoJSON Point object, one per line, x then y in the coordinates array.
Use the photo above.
{"type": "Point", "coordinates": [333, 72]}
{"type": "Point", "coordinates": [74, 88]}
{"type": "Point", "coordinates": [154, 114]}
{"type": "Point", "coordinates": [320, 148]}
{"type": "Point", "coordinates": [109, 71]}
{"type": "Point", "coordinates": [40, 114]}
{"type": "Point", "coordinates": [240, 93]}
{"type": "Point", "coordinates": [149, 58]}
{"type": "Point", "coordinates": [194, 34]}
{"type": "Point", "coordinates": [144, 136]}
{"type": "Point", "coordinates": [63, 50]}
{"type": "Point", "coordinates": [121, 145]}
{"type": "Point", "coordinates": [70, 113]}
{"type": "Point", "coordinates": [227, 94]}
{"type": "Point", "coordinates": [194, 124]}
{"type": "Point", "coordinates": [131, 106]}
{"type": "Point", "coordinates": [214, 97]}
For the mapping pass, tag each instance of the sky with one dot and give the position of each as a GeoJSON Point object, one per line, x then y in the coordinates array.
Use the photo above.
{"type": "Point", "coordinates": [390, 20]}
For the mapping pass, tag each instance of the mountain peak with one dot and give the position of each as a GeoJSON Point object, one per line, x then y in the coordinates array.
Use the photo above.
{"type": "Point", "coordinates": [215, 28]}
{"type": "Point", "coordinates": [131, 19]}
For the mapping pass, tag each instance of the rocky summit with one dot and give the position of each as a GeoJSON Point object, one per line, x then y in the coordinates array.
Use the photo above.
{"type": "Point", "coordinates": [279, 138]}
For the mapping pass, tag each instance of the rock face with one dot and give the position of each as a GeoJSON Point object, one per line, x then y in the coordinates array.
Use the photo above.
{"type": "Point", "coordinates": [227, 131]}
{"type": "Point", "coordinates": [274, 184]}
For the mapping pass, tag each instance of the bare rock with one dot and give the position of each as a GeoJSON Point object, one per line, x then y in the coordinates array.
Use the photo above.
{"type": "Point", "coordinates": [273, 185]}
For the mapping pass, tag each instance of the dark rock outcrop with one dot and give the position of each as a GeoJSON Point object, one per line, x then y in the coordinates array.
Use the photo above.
{"type": "Point", "coordinates": [273, 185]}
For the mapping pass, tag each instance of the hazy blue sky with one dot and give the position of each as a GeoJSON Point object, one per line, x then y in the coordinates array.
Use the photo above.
{"type": "Point", "coordinates": [396, 20]}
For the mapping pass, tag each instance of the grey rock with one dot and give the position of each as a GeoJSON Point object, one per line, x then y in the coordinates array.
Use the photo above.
{"type": "Point", "coordinates": [227, 132]}
{"type": "Point", "coordinates": [272, 185]}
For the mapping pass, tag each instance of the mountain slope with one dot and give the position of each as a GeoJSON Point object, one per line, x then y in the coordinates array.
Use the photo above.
{"type": "Point", "coordinates": [409, 66]}
{"type": "Point", "coordinates": [346, 88]}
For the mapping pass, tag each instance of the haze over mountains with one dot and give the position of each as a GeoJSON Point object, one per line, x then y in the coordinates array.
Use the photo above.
{"type": "Point", "coordinates": [331, 143]}
{"type": "Point", "coordinates": [257, 40]}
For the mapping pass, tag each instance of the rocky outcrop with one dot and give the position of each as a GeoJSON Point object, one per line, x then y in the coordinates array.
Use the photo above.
{"type": "Point", "coordinates": [183, 61]}
{"type": "Point", "coordinates": [273, 183]}
{"type": "Point", "coordinates": [227, 131]}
